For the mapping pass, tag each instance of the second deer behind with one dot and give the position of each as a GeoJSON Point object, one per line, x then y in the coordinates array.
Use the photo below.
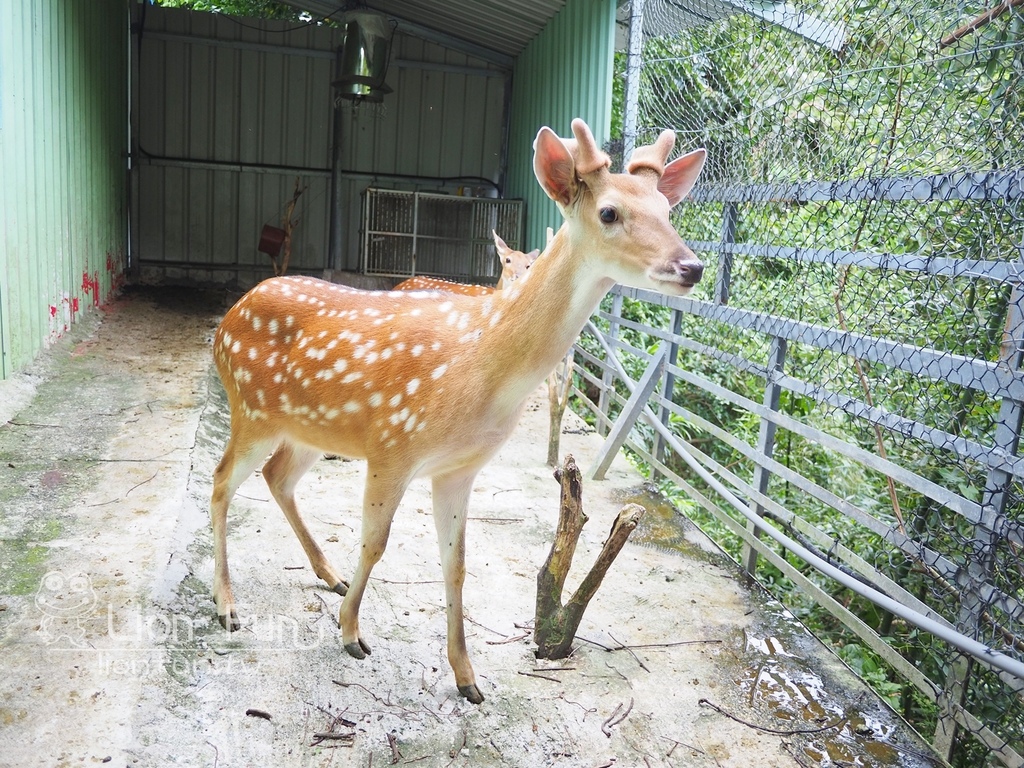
{"type": "Point", "coordinates": [513, 266]}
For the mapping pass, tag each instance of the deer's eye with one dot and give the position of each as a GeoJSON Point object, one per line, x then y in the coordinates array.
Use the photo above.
{"type": "Point", "coordinates": [608, 215]}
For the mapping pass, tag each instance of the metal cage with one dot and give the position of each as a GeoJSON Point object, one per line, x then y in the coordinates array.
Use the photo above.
{"type": "Point", "coordinates": [418, 233]}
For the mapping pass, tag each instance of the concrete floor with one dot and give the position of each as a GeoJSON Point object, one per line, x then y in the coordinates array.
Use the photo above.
{"type": "Point", "coordinates": [110, 651]}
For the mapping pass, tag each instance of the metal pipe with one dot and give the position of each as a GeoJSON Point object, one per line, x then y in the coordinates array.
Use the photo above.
{"type": "Point", "coordinates": [335, 222]}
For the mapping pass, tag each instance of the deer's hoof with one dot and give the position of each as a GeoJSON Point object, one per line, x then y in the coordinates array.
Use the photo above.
{"type": "Point", "coordinates": [358, 649]}
{"type": "Point", "coordinates": [472, 693]}
{"type": "Point", "coordinates": [341, 588]}
{"type": "Point", "coordinates": [229, 621]}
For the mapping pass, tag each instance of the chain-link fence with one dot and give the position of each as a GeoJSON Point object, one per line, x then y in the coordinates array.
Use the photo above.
{"type": "Point", "coordinates": [849, 369]}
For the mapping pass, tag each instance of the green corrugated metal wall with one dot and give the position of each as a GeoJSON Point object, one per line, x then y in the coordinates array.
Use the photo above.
{"type": "Point", "coordinates": [565, 72]}
{"type": "Point", "coordinates": [63, 141]}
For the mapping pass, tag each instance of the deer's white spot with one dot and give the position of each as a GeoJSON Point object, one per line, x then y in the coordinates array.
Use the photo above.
{"type": "Point", "coordinates": [376, 399]}
{"type": "Point", "coordinates": [273, 326]}
{"type": "Point", "coordinates": [444, 307]}
{"type": "Point", "coordinates": [236, 347]}
{"type": "Point", "coordinates": [340, 364]}
{"type": "Point", "coordinates": [417, 350]}
{"type": "Point", "coordinates": [495, 318]}
{"type": "Point", "coordinates": [438, 372]}
{"type": "Point", "coordinates": [395, 400]}
{"type": "Point", "coordinates": [256, 323]}
{"type": "Point", "coordinates": [351, 407]}
{"type": "Point", "coordinates": [353, 376]}
{"type": "Point", "coordinates": [252, 353]}
{"type": "Point", "coordinates": [412, 386]}
{"type": "Point", "coordinates": [410, 423]}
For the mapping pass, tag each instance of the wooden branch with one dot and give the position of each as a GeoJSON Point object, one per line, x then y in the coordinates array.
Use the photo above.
{"type": "Point", "coordinates": [288, 224]}
{"type": "Point", "coordinates": [978, 22]}
{"type": "Point", "coordinates": [559, 386]}
{"type": "Point", "coordinates": [556, 624]}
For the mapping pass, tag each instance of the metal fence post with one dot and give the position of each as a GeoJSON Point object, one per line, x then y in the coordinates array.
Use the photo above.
{"type": "Point", "coordinates": [730, 213]}
{"type": "Point", "coordinates": [981, 566]}
{"type": "Point", "coordinates": [765, 442]}
{"type": "Point", "coordinates": [634, 62]}
{"type": "Point", "coordinates": [608, 377]}
{"type": "Point", "coordinates": [668, 384]}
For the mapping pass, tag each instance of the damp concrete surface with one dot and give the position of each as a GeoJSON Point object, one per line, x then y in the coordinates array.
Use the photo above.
{"type": "Point", "coordinates": [110, 651]}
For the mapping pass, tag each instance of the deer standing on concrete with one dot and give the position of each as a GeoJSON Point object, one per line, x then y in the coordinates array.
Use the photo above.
{"type": "Point", "coordinates": [423, 384]}
{"type": "Point", "coordinates": [513, 266]}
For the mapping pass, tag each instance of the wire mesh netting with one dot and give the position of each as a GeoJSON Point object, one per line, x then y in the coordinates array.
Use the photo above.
{"type": "Point", "coordinates": [863, 200]}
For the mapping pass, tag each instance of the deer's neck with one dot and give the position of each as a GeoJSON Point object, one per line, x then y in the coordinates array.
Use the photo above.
{"type": "Point", "coordinates": [539, 319]}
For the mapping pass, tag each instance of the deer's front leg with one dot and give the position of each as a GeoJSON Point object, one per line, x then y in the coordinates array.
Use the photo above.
{"type": "Point", "coordinates": [383, 492]}
{"type": "Point", "coordinates": [451, 498]}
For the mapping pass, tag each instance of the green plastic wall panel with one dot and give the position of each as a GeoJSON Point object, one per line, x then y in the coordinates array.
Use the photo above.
{"type": "Point", "coordinates": [63, 147]}
{"type": "Point", "coordinates": [566, 72]}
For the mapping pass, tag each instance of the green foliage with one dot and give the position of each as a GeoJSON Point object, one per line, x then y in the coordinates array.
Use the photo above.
{"type": "Point", "coordinates": [257, 9]}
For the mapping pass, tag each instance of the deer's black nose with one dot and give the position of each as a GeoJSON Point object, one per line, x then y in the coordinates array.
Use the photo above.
{"type": "Point", "coordinates": [690, 272]}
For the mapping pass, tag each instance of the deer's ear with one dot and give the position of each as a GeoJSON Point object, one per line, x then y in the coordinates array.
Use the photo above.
{"type": "Point", "coordinates": [680, 175]}
{"type": "Point", "coordinates": [554, 167]}
{"type": "Point", "coordinates": [500, 244]}
{"type": "Point", "coordinates": [532, 255]}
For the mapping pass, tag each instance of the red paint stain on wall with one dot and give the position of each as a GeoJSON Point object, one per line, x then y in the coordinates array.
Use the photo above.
{"type": "Point", "coordinates": [91, 285]}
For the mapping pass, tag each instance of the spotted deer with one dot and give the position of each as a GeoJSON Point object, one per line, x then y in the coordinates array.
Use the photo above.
{"type": "Point", "coordinates": [513, 266]}
{"type": "Point", "coordinates": [422, 384]}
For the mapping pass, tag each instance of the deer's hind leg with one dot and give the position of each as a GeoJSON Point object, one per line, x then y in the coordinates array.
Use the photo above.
{"type": "Point", "coordinates": [241, 457]}
{"type": "Point", "coordinates": [282, 473]}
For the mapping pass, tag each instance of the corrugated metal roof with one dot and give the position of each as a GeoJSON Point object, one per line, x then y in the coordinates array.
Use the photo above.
{"type": "Point", "coordinates": [477, 27]}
